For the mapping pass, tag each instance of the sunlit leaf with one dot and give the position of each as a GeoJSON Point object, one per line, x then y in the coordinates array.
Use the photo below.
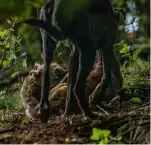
{"type": "Point", "coordinates": [4, 33]}
{"type": "Point", "coordinates": [24, 121]}
{"type": "Point", "coordinates": [6, 63]}
{"type": "Point", "coordinates": [14, 74]}
{"type": "Point", "coordinates": [7, 45]}
{"type": "Point", "coordinates": [9, 22]}
{"type": "Point", "coordinates": [24, 63]}
{"type": "Point", "coordinates": [119, 138]}
{"type": "Point", "coordinates": [1, 43]}
{"type": "Point", "coordinates": [125, 49]}
{"type": "Point", "coordinates": [67, 140]}
{"type": "Point", "coordinates": [136, 100]}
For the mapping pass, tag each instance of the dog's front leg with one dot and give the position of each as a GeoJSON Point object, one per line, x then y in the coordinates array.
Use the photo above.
{"type": "Point", "coordinates": [74, 64]}
{"type": "Point", "coordinates": [48, 47]}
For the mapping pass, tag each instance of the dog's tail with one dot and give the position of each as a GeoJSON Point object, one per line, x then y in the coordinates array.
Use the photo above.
{"type": "Point", "coordinates": [51, 30]}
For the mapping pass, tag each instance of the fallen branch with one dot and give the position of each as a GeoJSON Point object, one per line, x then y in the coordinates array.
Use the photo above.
{"type": "Point", "coordinates": [102, 110]}
{"type": "Point", "coordinates": [4, 130]}
{"type": "Point", "coordinates": [138, 107]}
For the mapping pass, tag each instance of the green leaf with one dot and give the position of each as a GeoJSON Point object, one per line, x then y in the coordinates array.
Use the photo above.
{"type": "Point", "coordinates": [59, 54]}
{"type": "Point", "coordinates": [14, 74]}
{"type": "Point", "coordinates": [99, 134]}
{"type": "Point", "coordinates": [6, 63]}
{"type": "Point", "coordinates": [136, 100]}
{"type": "Point", "coordinates": [95, 134]}
{"type": "Point", "coordinates": [11, 30]}
{"type": "Point", "coordinates": [1, 43]}
{"type": "Point", "coordinates": [119, 138]}
{"type": "Point", "coordinates": [125, 49]}
{"type": "Point", "coordinates": [7, 45]}
{"type": "Point", "coordinates": [4, 33]}
{"type": "Point", "coordinates": [15, 19]}
{"type": "Point", "coordinates": [9, 22]}
{"type": "Point", "coordinates": [104, 141]}
{"type": "Point", "coordinates": [24, 121]}
{"type": "Point", "coordinates": [2, 122]}
{"type": "Point", "coordinates": [67, 140]}
{"type": "Point", "coordinates": [24, 63]}
{"type": "Point", "coordinates": [12, 55]}
{"type": "Point", "coordinates": [17, 49]}
{"type": "Point", "coordinates": [24, 54]}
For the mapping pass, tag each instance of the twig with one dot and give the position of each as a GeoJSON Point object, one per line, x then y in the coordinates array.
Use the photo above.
{"type": "Point", "coordinates": [138, 107]}
{"type": "Point", "coordinates": [125, 132]}
{"type": "Point", "coordinates": [4, 130]}
{"type": "Point", "coordinates": [64, 79]}
{"type": "Point", "coordinates": [136, 132]}
{"type": "Point", "coordinates": [126, 120]}
{"type": "Point", "coordinates": [102, 110]}
{"type": "Point", "coordinates": [115, 98]}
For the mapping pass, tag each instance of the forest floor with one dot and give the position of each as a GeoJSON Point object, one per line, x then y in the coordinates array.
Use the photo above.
{"type": "Point", "coordinates": [125, 127]}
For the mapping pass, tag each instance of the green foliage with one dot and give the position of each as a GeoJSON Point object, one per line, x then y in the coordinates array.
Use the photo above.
{"type": "Point", "coordinates": [12, 58]}
{"type": "Point", "coordinates": [103, 136]}
{"type": "Point", "coordinates": [8, 100]}
{"type": "Point", "coordinates": [124, 49]}
{"type": "Point", "coordinates": [67, 140]}
{"type": "Point", "coordinates": [11, 54]}
{"type": "Point", "coordinates": [135, 71]}
{"type": "Point", "coordinates": [25, 121]}
{"type": "Point", "coordinates": [136, 100]}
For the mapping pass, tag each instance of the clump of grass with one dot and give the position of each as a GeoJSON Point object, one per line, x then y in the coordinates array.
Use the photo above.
{"type": "Point", "coordinates": [9, 100]}
{"type": "Point", "coordinates": [136, 73]}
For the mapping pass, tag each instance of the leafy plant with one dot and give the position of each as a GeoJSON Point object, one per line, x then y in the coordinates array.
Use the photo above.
{"type": "Point", "coordinates": [101, 136]}
{"type": "Point", "coordinates": [135, 71]}
{"type": "Point", "coordinates": [136, 100]}
{"type": "Point", "coordinates": [11, 55]}
{"type": "Point", "coordinates": [8, 100]}
{"type": "Point", "coordinates": [12, 62]}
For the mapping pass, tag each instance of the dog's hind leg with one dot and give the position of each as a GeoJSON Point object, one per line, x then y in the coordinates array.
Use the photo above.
{"type": "Point", "coordinates": [71, 99]}
{"type": "Point", "coordinates": [87, 57]}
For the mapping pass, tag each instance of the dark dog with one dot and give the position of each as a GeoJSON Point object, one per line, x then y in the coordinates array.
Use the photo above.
{"type": "Point", "coordinates": [90, 25]}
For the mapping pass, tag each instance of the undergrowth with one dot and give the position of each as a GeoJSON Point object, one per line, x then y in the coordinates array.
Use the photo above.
{"type": "Point", "coordinates": [136, 74]}
{"type": "Point", "coordinates": [12, 64]}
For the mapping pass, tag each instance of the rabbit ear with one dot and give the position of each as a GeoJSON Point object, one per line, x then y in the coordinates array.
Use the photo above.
{"type": "Point", "coordinates": [51, 30]}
